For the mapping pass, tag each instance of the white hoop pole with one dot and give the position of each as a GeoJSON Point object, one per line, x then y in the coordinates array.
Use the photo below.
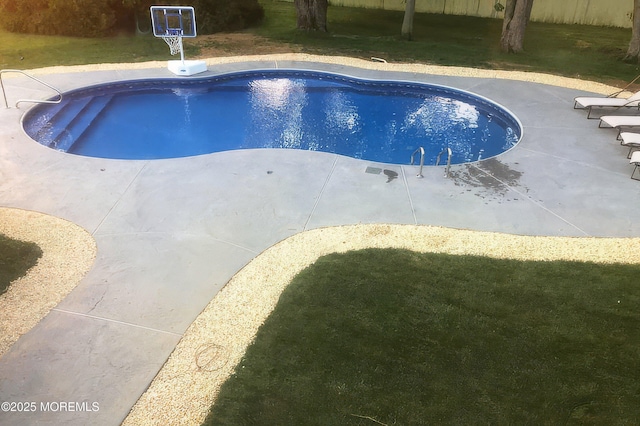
{"type": "Point", "coordinates": [181, 50]}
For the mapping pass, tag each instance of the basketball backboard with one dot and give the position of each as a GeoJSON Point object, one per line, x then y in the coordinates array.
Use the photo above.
{"type": "Point", "coordinates": [170, 21]}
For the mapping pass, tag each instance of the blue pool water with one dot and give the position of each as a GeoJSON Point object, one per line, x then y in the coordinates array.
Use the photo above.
{"type": "Point", "coordinates": [382, 121]}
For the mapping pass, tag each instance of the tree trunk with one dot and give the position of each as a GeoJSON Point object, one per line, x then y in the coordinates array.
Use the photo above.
{"type": "Point", "coordinates": [407, 22]}
{"type": "Point", "coordinates": [516, 17]}
{"type": "Point", "coordinates": [633, 52]}
{"type": "Point", "coordinates": [312, 14]}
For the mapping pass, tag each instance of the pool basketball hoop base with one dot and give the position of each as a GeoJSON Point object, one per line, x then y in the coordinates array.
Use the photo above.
{"type": "Point", "coordinates": [187, 68]}
{"type": "Point", "coordinates": [172, 24]}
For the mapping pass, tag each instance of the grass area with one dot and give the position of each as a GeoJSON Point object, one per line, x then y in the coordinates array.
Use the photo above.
{"type": "Point", "coordinates": [397, 337]}
{"type": "Point", "coordinates": [16, 258]}
{"type": "Point", "coordinates": [571, 50]}
{"type": "Point", "coordinates": [28, 51]}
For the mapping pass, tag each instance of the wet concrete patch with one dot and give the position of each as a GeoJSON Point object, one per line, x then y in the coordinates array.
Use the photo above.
{"type": "Point", "coordinates": [489, 179]}
{"type": "Point", "coordinates": [390, 174]}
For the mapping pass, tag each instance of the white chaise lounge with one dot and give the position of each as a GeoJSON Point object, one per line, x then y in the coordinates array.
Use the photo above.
{"type": "Point", "coordinates": [620, 122]}
{"type": "Point", "coordinates": [590, 102]}
{"type": "Point", "coordinates": [630, 140]}
{"type": "Point", "coordinates": [635, 160]}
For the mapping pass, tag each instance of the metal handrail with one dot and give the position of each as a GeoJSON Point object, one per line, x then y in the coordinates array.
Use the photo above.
{"type": "Point", "coordinates": [421, 149]}
{"type": "Point", "coordinates": [446, 170]}
{"type": "Point", "coordinates": [39, 101]}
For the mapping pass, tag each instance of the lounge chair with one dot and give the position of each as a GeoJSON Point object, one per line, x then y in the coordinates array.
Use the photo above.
{"type": "Point", "coordinates": [611, 100]}
{"type": "Point", "coordinates": [631, 140]}
{"type": "Point", "coordinates": [635, 160]}
{"type": "Point", "coordinates": [589, 103]}
{"type": "Point", "coordinates": [620, 122]}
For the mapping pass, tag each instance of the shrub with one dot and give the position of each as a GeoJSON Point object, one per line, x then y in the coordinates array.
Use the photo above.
{"type": "Point", "coordinates": [22, 16]}
{"type": "Point", "coordinates": [223, 15]}
{"type": "Point", "coordinates": [95, 18]}
{"type": "Point", "coordinates": [85, 18]}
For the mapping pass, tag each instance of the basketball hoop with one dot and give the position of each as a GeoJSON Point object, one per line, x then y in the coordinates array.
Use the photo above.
{"type": "Point", "coordinates": [172, 24]}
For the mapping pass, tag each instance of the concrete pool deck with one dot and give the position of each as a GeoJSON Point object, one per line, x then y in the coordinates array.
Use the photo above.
{"type": "Point", "coordinates": [171, 233]}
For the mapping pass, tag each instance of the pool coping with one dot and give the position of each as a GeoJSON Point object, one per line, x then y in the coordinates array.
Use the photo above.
{"type": "Point", "coordinates": [489, 191]}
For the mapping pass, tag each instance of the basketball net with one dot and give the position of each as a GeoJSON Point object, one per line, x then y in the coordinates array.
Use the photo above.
{"type": "Point", "coordinates": [174, 42]}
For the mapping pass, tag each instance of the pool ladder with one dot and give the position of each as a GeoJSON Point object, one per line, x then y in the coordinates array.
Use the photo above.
{"type": "Point", "coordinates": [39, 101]}
{"type": "Point", "coordinates": [448, 151]}
{"type": "Point", "coordinates": [421, 151]}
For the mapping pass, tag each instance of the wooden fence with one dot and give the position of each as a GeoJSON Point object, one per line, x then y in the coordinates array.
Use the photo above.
{"type": "Point", "coordinates": [613, 13]}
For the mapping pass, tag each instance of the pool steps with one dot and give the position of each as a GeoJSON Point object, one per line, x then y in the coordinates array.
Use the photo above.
{"type": "Point", "coordinates": [54, 127]}
{"type": "Point", "coordinates": [82, 121]}
{"type": "Point", "coordinates": [70, 121]}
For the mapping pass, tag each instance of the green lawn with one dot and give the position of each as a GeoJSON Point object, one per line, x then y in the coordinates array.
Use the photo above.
{"type": "Point", "coordinates": [28, 51]}
{"type": "Point", "coordinates": [16, 257]}
{"type": "Point", "coordinates": [569, 50]}
{"type": "Point", "coordinates": [406, 339]}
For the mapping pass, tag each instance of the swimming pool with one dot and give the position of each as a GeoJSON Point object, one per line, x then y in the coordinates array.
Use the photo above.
{"type": "Point", "coordinates": [382, 121]}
